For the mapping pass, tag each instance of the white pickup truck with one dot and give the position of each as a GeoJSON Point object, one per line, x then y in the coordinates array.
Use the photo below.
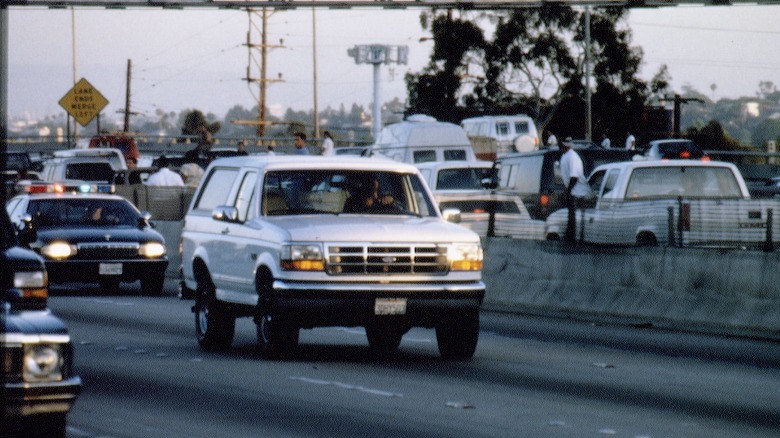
{"type": "Point", "coordinates": [672, 202]}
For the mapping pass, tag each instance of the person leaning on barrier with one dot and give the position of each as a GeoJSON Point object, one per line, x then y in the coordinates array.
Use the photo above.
{"type": "Point", "coordinates": [578, 193]}
{"type": "Point", "coordinates": [164, 176]}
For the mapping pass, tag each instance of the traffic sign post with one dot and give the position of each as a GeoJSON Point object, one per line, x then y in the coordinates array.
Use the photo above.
{"type": "Point", "coordinates": [83, 102]}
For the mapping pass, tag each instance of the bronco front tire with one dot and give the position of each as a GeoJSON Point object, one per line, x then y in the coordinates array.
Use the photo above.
{"type": "Point", "coordinates": [215, 326]}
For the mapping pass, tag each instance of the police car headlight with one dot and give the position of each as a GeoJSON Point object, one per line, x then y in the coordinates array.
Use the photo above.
{"type": "Point", "coordinates": [34, 284]}
{"type": "Point", "coordinates": [152, 250]}
{"type": "Point", "coordinates": [58, 250]}
{"type": "Point", "coordinates": [42, 362]}
{"type": "Point", "coordinates": [466, 257]}
{"type": "Point", "coordinates": [307, 257]}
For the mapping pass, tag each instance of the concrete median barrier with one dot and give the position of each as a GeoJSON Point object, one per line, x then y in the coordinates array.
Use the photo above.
{"type": "Point", "coordinates": [731, 292]}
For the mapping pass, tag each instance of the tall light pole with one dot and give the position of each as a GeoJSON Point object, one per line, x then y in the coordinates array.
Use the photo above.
{"type": "Point", "coordinates": [588, 115]}
{"type": "Point", "coordinates": [377, 55]}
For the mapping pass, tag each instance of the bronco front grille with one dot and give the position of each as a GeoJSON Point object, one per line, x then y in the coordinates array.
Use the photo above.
{"type": "Point", "coordinates": [107, 250]}
{"type": "Point", "coordinates": [386, 259]}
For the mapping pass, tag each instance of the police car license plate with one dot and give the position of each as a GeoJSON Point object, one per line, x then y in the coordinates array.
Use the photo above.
{"type": "Point", "coordinates": [110, 269]}
{"type": "Point", "coordinates": [390, 306]}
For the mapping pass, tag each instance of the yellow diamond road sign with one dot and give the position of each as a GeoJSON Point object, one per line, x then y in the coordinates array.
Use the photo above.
{"type": "Point", "coordinates": [83, 102]}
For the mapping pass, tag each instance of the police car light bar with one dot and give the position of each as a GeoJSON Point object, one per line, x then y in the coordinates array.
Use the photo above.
{"type": "Point", "coordinates": [54, 187]}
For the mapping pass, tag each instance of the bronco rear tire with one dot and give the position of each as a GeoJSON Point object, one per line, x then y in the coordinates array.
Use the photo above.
{"type": "Point", "coordinates": [215, 326]}
{"type": "Point", "coordinates": [457, 338]}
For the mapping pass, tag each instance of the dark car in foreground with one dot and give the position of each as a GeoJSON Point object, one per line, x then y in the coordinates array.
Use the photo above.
{"type": "Point", "coordinates": [39, 382]}
{"type": "Point", "coordinates": [86, 234]}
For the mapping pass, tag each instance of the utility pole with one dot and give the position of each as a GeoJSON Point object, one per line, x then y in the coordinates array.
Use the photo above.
{"type": "Point", "coordinates": [678, 101]}
{"type": "Point", "coordinates": [262, 79]}
{"type": "Point", "coordinates": [314, 68]}
{"type": "Point", "coordinates": [127, 98]}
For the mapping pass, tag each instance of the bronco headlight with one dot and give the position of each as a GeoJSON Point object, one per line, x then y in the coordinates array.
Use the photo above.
{"type": "Point", "coordinates": [33, 284]}
{"type": "Point", "coordinates": [305, 257]}
{"type": "Point", "coordinates": [42, 362]}
{"type": "Point", "coordinates": [152, 250]}
{"type": "Point", "coordinates": [58, 250]}
{"type": "Point", "coordinates": [466, 257]}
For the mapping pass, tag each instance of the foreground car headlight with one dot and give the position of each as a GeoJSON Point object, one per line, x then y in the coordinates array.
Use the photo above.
{"type": "Point", "coordinates": [33, 284]}
{"type": "Point", "coordinates": [58, 250]}
{"type": "Point", "coordinates": [306, 257]}
{"type": "Point", "coordinates": [42, 362]}
{"type": "Point", "coordinates": [151, 250]}
{"type": "Point", "coordinates": [466, 257]}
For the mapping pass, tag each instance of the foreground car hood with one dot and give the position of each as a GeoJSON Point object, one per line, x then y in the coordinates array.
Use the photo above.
{"type": "Point", "coordinates": [34, 323]}
{"type": "Point", "coordinates": [345, 228]}
{"type": "Point", "coordinates": [98, 234]}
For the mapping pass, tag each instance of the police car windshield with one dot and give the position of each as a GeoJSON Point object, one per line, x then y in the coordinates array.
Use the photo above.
{"type": "Point", "coordinates": [81, 212]}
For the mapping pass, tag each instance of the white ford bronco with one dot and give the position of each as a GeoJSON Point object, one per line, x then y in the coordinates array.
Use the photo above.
{"type": "Point", "coordinates": [301, 242]}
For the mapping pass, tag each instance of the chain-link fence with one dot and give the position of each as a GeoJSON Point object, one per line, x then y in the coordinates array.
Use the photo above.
{"type": "Point", "coordinates": [164, 203]}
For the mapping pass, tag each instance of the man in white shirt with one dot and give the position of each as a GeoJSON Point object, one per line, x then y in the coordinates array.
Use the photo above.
{"type": "Point", "coordinates": [578, 190]}
{"type": "Point", "coordinates": [327, 144]}
{"type": "Point", "coordinates": [630, 141]}
{"type": "Point", "coordinates": [164, 176]}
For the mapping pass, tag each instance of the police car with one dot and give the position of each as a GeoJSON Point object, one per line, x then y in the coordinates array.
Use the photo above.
{"type": "Point", "coordinates": [87, 234]}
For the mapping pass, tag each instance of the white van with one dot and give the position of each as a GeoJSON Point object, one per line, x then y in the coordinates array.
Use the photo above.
{"type": "Point", "coordinates": [512, 133]}
{"type": "Point", "coordinates": [421, 138]}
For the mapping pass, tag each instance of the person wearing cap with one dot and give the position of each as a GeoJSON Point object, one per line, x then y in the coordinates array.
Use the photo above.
{"type": "Point", "coordinates": [578, 191]}
{"type": "Point", "coordinates": [164, 176]}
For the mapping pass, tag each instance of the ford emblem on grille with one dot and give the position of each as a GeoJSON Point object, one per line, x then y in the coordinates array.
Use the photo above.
{"type": "Point", "coordinates": [388, 259]}
{"type": "Point", "coordinates": [108, 237]}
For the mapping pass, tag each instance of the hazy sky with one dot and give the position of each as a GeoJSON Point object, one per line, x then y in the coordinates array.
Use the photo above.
{"type": "Point", "coordinates": [197, 58]}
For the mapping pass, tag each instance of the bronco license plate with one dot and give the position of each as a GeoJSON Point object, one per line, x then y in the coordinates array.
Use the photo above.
{"type": "Point", "coordinates": [110, 269]}
{"type": "Point", "coordinates": [390, 306]}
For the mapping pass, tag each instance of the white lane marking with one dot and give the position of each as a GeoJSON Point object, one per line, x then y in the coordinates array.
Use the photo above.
{"type": "Point", "coordinates": [347, 386]}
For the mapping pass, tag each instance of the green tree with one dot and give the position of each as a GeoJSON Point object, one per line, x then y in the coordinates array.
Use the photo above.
{"type": "Point", "coordinates": [534, 62]}
{"type": "Point", "coordinates": [193, 119]}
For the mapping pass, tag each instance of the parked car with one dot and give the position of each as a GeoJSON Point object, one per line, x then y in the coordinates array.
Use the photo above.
{"type": "Point", "coordinates": [457, 175]}
{"type": "Point", "coordinates": [300, 242]}
{"type": "Point", "coordinates": [492, 214]}
{"type": "Point", "coordinates": [40, 384]}
{"type": "Point", "coordinates": [671, 149]}
{"type": "Point", "coordinates": [87, 234]}
{"type": "Point", "coordinates": [703, 203]}
{"type": "Point", "coordinates": [536, 176]}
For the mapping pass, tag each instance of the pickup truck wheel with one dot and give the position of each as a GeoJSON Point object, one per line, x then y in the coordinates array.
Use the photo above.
{"type": "Point", "coordinates": [153, 285]}
{"type": "Point", "coordinates": [214, 325]}
{"type": "Point", "coordinates": [276, 338]}
{"type": "Point", "coordinates": [457, 338]}
{"type": "Point", "coordinates": [646, 239]}
{"type": "Point", "coordinates": [384, 338]}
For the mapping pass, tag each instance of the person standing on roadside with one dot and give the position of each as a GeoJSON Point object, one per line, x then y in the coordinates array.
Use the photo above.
{"type": "Point", "coordinates": [164, 176]}
{"type": "Point", "coordinates": [578, 192]}
{"type": "Point", "coordinates": [300, 144]}
{"type": "Point", "coordinates": [630, 141]}
{"type": "Point", "coordinates": [552, 140]}
{"type": "Point", "coordinates": [327, 144]}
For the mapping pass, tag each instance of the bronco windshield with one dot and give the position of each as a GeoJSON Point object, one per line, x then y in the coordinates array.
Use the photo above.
{"type": "Point", "coordinates": [345, 191]}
